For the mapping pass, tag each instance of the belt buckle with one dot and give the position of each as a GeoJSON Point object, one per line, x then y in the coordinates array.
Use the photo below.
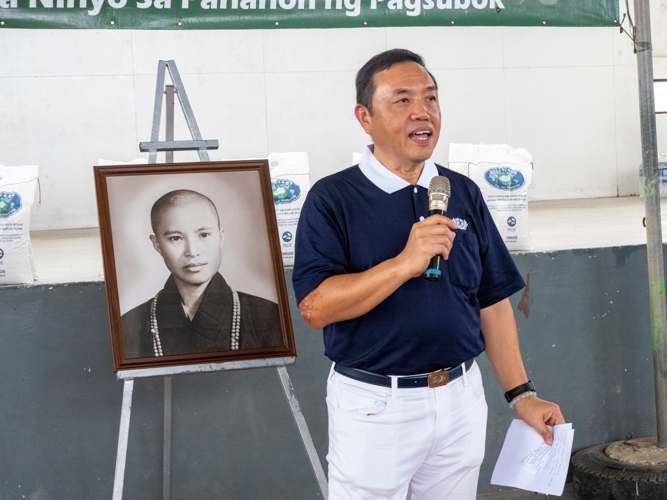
{"type": "Point", "coordinates": [437, 379]}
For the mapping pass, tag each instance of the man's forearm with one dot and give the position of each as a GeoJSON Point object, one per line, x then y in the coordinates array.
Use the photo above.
{"type": "Point", "coordinates": [502, 344]}
{"type": "Point", "coordinates": [348, 296]}
{"type": "Point", "coordinates": [502, 349]}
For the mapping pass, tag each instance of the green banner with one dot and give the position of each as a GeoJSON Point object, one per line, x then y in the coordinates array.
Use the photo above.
{"type": "Point", "coordinates": [277, 14]}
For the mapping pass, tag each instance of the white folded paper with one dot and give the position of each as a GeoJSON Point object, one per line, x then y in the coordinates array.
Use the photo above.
{"type": "Point", "coordinates": [526, 462]}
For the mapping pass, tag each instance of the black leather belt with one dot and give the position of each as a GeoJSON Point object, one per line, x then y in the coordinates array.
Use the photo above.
{"type": "Point", "coordinates": [435, 379]}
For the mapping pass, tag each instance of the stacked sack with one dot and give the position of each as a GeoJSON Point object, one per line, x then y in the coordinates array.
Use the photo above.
{"type": "Point", "coordinates": [17, 194]}
{"type": "Point", "coordinates": [290, 183]}
{"type": "Point", "coordinates": [503, 174]}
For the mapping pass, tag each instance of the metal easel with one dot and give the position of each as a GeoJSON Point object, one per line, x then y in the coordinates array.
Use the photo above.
{"type": "Point", "coordinates": [201, 146]}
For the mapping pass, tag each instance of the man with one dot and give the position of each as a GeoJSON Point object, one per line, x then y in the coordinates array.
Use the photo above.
{"type": "Point", "coordinates": [196, 311]}
{"type": "Point", "coordinates": [363, 244]}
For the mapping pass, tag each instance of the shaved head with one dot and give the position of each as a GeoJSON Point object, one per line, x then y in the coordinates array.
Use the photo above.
{"type": "Point", "coordinates": [178, 198]}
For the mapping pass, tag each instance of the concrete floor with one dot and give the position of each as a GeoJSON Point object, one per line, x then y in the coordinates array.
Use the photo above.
{"type": "Point", "coordinates": [589, 223]}
{"type": "Point", "coordinates": [568, 494]}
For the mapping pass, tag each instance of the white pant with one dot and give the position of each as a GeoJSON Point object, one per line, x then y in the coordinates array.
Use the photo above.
{"type": "Point", "coordinates": [398, 444]}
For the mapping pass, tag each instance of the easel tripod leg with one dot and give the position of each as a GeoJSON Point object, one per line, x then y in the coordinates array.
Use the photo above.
{"type": "Point", "coordinates": [123, 434]}
{"type": "Point", "coordinates": [166, 457]}
{"type": "Point", "coordinates": [305, 433]}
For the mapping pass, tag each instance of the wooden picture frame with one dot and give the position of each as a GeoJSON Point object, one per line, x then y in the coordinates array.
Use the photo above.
{"type": "Point", "coordinates": [135, 264]}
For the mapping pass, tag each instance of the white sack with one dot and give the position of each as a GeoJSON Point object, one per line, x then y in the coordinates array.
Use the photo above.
{"type": "Point", "coordinates": [503, 174]}
{"type": "Point", "coordinates": [290, 182]}
{"type": "Point", "coordinates": [17, 194]}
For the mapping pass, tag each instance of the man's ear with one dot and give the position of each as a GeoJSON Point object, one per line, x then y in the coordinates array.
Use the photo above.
{"type": "Point", "coordinates": [222, 237]}
{"type": "Point", "coordinates": [156, 243]}
{"type": "Point", "coordinates": [364, 117]}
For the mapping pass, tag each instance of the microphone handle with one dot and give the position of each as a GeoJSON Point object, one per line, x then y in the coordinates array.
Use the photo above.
{"type": "Point", "coordinates": [433, 271]}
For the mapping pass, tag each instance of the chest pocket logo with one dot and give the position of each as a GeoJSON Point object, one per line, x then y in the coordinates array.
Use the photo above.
{"type": "Point", "coordinates": [463, 224]}
{"type": "Point", "coordinates": [465, 266]}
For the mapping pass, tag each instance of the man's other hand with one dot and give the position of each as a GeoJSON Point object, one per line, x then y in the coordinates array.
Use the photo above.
{"type": "Point", "coordinates": [538, 414]}
{"type": "Point", "coordinates": [428, 238]}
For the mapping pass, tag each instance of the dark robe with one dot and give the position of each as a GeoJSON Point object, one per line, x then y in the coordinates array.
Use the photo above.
{"type": "Point", "coordinates": [209, 330]}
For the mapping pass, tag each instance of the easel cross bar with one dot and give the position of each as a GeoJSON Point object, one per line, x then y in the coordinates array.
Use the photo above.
{"type": "Point", "coordinates": [158, 146]}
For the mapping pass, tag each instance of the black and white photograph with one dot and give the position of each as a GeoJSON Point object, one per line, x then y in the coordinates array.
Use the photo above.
{"type": "Point", "coordinates": [196, 273]}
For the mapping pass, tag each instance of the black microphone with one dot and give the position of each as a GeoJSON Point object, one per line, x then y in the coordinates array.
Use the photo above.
{"type": "Point", "coordinates": [439, 192]}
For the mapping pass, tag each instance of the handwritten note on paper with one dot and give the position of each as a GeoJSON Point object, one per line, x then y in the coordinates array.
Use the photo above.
{"type": "Point", "coordinates": [526, 462]}
{"type": "Point", "coordinates": [537, 458]}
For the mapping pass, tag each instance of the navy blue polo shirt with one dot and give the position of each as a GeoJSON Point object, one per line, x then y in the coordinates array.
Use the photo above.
{"type": "Point", "coordinates": [356, 219]}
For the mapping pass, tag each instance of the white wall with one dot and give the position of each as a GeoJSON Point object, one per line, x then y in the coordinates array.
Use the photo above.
{"type": "Point", "coordinates": [70, 97]}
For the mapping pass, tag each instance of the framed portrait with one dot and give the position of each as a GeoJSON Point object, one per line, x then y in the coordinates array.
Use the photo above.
{"type": "Point", "coordinates": [192, 264]}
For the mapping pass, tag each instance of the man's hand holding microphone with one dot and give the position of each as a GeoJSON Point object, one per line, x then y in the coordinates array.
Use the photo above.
{"type": "Point", "coordinates": [430, 239]}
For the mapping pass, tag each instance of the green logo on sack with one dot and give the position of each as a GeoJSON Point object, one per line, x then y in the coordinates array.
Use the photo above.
{"type": "Point", "coordinates": [10, 203]}
{"type": "Point", "coordinates": [505, 178]}
{"type": "Point", "coordinates": [285, 191]}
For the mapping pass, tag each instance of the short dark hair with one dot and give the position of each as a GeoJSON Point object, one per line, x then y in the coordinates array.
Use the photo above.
{"type": "Point", "coordinates": [174, 199]}
{"type": "Point", "coordinates": [385, 60]}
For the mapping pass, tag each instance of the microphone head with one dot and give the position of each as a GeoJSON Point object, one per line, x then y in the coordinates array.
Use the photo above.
{"type": "Point", "coordinates": [439, 192]}
{"type": "Point", "coordinates": [440, 184]}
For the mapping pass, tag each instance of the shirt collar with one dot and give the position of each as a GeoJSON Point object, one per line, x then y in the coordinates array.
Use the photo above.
{"type": "Point", "coordinates": [213, 315]}
{"type": "Point", "coordinates": [388, 181]}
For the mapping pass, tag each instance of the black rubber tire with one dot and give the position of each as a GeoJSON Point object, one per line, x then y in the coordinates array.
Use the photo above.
{"type": "Point", "coordinates": [598, 477]}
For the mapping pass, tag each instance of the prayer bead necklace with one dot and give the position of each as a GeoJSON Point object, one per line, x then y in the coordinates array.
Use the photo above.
{"type": "Point", "coordinates": [236, 323]}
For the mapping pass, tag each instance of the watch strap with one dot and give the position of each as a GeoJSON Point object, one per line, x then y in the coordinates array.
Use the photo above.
{"type": "Point", "coordinates": [519, 390]}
